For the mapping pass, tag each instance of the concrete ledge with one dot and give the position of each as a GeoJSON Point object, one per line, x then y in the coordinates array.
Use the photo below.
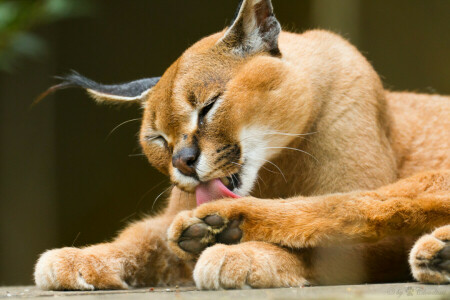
{"type": "Point", "coordinates": [369, 291]}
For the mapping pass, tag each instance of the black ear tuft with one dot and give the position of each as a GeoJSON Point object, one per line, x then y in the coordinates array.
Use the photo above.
{"type": "Point", "coordinates": [134, 91]}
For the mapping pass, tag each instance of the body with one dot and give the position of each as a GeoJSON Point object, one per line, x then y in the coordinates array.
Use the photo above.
{"type": "Point", "coordinates": [328, 175]}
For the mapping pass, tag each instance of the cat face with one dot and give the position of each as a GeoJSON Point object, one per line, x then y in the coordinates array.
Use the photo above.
{"type": "Point", "coordinates": [209, 115]}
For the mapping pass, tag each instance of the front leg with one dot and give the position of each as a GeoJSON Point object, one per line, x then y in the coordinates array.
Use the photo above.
{"type": "Point", "coordinates": [410, 206]}
{"type": "Point", "coordinates": [138, 256]}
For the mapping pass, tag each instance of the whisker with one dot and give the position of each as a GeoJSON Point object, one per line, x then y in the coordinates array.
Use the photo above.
{"type": "Point", "coordinates": [261, 167]}
{"type": "Point", "coordinates": [268, 161]}
{"type": "Point", "coordinates": [299, 135]}
{"type": "Point", "coordinates": [123, 123]}
{"type": "Point", "coordinates": [259, 177]}
{"type": "Point", "coordinates": [156, 199]}
{"type": "Point", "coordinates": [235, 163]}
{"type": "Point", "coordinates": [290, 134]}
{"type": "Point", "coordinates": [76, 238]}
{"type": "Point", "coordinates": [259, 186]}
{"type": "Point", "coordinates": [295, 149]}
{"type": "Point", "coordinates": [148, 191]}
{"type": "Point", "coordinates": [127, 217]}
{"type": "Point", "coordinates": [232, 181]}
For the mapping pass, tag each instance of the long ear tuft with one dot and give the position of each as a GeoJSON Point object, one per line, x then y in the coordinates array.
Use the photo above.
{"type": "Point", "coordinates": [254, 29]}
{"type": "Point", "coordinates": [129, 92]}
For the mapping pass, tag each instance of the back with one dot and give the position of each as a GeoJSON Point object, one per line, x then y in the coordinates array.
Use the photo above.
{"type": "Point", "coordinates": [420, 131]}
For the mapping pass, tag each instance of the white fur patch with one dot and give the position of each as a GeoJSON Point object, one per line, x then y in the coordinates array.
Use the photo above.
{"type": "Point", "coordinates": [83, 284]}
{"type": "Point", "coordinates": [183, 180]}
{"type": "Point", "coordinates": [44, 276]}
{"type": "Point", "coordinates": [213, 110]}
{"type": "Point", "coordinates": [101, 97]}
{"type": "Point", "coordinates": [254, 157]}
{"type": "Point", "coordinates": [202, 167]}
{"type": "Point", "coordinates": [193, 121]}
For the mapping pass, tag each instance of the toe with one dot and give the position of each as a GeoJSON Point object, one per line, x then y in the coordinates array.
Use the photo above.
{"type": "Point", "coordinates": [442, 233]}
{"type": "Point", "coordinates": [214, 221]}
{"type": "Point", "coordinates": [429, 260]}
{"type": "Point", "coordinates": [192, 239]}
{"type": "Point", "coordinates": [443, 258]}
{"type": "Point", "coordinates": [192, 246]}
{"type": "Point", "coordinates": [230, 235]}
{"type": "Point", "coordinates": [198, 230]}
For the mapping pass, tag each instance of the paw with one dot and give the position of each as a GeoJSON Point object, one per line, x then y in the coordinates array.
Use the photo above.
{"type": "Point", "coordinates": [251, 264]}
{"type": "Point", "coordinates": [190, 235]}
{"type": "Point", "coordinates": [430, 257]}
{"type": "Point", "coordinates": [76, 269]}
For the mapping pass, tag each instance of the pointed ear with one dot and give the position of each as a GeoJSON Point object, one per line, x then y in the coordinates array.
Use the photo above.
{"type": "Point", "coordinates": [255, 29]}
{"type": "Point", "coordinates": [129, 92]}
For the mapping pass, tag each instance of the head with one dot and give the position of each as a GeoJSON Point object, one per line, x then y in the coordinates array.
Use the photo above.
{"type": "Point", "coordinates": [214, 113]}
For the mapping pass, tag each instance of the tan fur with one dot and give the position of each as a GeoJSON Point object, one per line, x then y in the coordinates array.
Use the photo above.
{"type": "Point", "coordinates": [375, 176]}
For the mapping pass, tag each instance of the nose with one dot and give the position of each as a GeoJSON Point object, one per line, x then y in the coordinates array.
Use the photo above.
{"type": "Point", "coordinates": [184, 160]}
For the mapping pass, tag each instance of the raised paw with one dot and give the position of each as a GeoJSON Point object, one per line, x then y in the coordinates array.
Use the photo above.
{"type": "Point", "coordinates": [430, 257]}
{"type": "Point", "coordinates": [77, 269]}
{"type": "Point", "coordinates": [189, 235]}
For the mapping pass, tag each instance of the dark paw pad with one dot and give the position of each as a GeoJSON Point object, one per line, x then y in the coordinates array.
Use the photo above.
{"type": "Point", "coordinates": [214, 221]}
{"type": "Point", "coordinates": [232, 234]}
{"type": "Point", "coordinates": [213, 229]}
{"type": "Point", "coordinates": [442, 259]}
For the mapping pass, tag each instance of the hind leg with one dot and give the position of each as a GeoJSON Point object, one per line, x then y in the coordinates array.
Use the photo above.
{"type": "Point", "coordinates": [430, 257]}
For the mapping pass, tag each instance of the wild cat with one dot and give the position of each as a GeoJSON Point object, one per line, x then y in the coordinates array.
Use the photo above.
{"type": "Point", "coordinates": [291, 165]}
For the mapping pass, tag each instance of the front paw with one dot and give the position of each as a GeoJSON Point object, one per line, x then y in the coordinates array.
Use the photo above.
{"type": "Point", "coordinates": [430, 257]}
{"type": "Point", "coordinates": [193, 231]}
{"type": "Point", "coordinates": [250, 264]}
{"type": "Point", "coordinates": [77, 269]}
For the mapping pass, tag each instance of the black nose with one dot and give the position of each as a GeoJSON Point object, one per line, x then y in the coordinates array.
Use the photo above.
{"type": "Point", "coordinates": [184, 160]}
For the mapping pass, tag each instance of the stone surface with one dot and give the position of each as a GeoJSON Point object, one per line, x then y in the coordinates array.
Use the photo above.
{"type": "Point", "coordinates": [369, 291]}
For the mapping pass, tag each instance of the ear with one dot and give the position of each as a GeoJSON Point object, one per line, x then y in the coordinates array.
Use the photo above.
{"type": "Point", "coordinates": [130, 92]}
{"type": "Point", "coordinates": [255, 29]}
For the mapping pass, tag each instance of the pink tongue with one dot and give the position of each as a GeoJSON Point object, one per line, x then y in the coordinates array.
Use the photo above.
{"type": "Point", "coordinates": [212, 190]}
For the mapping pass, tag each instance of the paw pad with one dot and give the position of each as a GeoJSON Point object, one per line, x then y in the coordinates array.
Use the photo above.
{"type": "Point", "coordinates": [430, 257]}
{"type": "Point", "coordinates": [213, 229]}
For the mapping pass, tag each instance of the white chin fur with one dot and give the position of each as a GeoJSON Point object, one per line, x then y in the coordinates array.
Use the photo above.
{"type": "Point", "coordinates": [186, 182]}
{"type": "Point", "coordinates": [254, 144]}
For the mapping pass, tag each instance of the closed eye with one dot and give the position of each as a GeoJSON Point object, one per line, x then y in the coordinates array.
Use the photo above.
{"type": "Point", "coordinates": [156, 139]}
{"type": "Point", "coordinates": [204, 111]}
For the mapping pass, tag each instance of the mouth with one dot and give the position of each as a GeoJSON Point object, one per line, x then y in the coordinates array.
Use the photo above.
{"type": "Point", "coordinates": [217, 188]}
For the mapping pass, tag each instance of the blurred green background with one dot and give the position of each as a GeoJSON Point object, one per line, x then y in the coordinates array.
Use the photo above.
{"type": "Point", "coordinates": [64, 180]}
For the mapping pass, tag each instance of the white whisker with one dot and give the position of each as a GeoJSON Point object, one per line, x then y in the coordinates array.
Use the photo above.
{"type": "Point", "coordinates": [268, 161]}
{"type": "Point", "coordinates": [295, 149]}
{"type": "Point", "coordinates": [148, 191]}
{"type": "Point", "coordinates": [259, 186]}
{"type": "Point", "coordinates": [299, 135]}
{"type": "Point", "coordinates": [232, 181]}
{"type": "Point", "coordinates": [290, 134]}
{"type": "Point", "coordinates": [156, 199]}
{"type": "Point", "coordinates": [236, 163]}
{"type": "Point", "coordinates": [123, 123]}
